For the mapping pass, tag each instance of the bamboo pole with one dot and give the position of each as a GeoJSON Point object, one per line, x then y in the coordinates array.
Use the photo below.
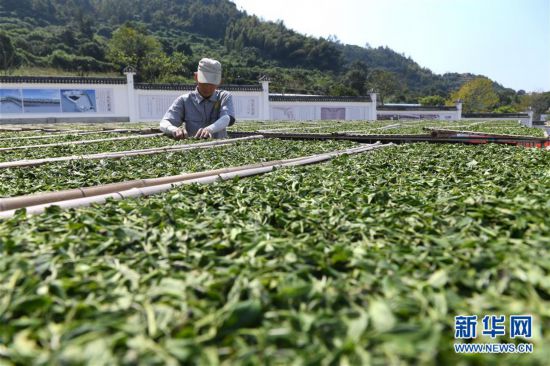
{"type": "Point", "coordinates": [159, 185]}
{"type": "Point", "coordinates": [126, 153]}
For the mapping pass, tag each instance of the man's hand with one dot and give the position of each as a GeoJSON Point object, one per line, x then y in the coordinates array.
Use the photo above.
{"type": "Point", "coordinates": [203, 133]}
{"type": "Point", "coordinates": [180, 133]}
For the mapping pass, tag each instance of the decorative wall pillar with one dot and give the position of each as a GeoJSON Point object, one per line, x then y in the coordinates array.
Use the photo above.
{"type": "Point", "coordinates": [264, 109]}
{"type": "Point", "coordinates": [458, 104]}
{"type": "Point", "coordinates": [373, 112]}
{"type": "Point", "coordinates": [531, 113]}
{"type": "Point", "coordinates": [129, 71]}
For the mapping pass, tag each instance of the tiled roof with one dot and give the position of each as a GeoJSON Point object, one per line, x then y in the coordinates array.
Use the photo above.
{"type": "Point", "coordinates": [92, 80]}
{"type": "Point", "coordinates": [414, 108]}
{"type": "Point", "coordinates": [145, 86]}
{"type": "Point", "coordinates": [316, 98]}
{"type": "Point", "coordinates": [495, 115]}
{"type": "Point", "coordinates": [60, 80]}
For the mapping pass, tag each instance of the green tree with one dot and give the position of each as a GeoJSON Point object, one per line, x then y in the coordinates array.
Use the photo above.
{"type": "Point", "coordinates": [432, 100]}
{"type": "Point", "coordinates": [477, 95]}
{"type": "Point", "coordinates": [507, 97]}
{"type": "Point", "coordinates": [505, 109]}
{"type": "Point", "coordinates": [62, 60]}
{"type": "Point", "coordinates": [8, 55]}
{"type": "Point", "coordinates": [172, 69]}
{"type": "Point", "coordinates": [131, 45]}
{"type": "Point", "coordinates": [385, 83]}
{"type": "Point", "coordinates": [185, 48]}
{"type": "Point", "coordinates": [356, 77]}
{"type": "Point", "coordinates": [538, 102]}
{"type": "Point", "coordinates": [341, 90]}
{"type": "Point", "coordinates": [92, 49]}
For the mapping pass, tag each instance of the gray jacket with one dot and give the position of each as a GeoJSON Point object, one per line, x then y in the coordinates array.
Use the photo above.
{"type": "Point", "coordinates": [197, 112]}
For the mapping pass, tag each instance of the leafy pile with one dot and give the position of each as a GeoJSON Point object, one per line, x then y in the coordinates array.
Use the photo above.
{"type": "Point", "coordinates": [365, 259]}
{"type": "Point", "coordinates": [251, 126]}
{"type": "Point", "coordinates": [509, 130]}
{"type": "Point", "coordinates": [60, 139]}
{"type": "Point", "coordinates": [83, 173]}
{"type": "Point", "coordinates": [402, 127]}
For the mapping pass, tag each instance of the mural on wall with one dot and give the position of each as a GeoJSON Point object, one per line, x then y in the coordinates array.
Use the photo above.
{"type": "Point", "coordinates": [41, 101]}
{"type": "Point", "coordinates": [11, 101]}
{"type": "Point", "coordinates": [78, 100]}
{"type": "Point", "coordinates": [333, 113]}
{"type": "Point", "coordinates": [56, 100]}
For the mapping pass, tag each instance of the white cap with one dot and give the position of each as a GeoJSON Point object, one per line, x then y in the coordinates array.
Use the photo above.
{"type": "Point", "coordinates": [209, 71]}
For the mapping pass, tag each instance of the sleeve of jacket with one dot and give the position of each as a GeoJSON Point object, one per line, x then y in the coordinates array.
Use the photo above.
{"type": "Point", "coordinates": [173, 118]}
{"type": "Point", "coordinates": [227, 108]}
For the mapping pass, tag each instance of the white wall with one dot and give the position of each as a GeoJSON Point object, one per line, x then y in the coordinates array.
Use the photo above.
{"type": "Point", "coordinates": [152, 104]}
{"type": "Point", "coordinates": [313, 111]}
{"type": "Point", "coordinates": [248, 105]}
{"type": "Point", "coordinates": [434, 114]}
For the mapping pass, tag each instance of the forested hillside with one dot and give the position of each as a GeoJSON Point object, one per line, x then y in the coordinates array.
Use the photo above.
{"type": "Point", "coordinates": [164, 39]}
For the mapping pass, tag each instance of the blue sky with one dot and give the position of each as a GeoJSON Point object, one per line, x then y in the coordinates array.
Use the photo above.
{"type": "Point", "coordinates": [506, 40]}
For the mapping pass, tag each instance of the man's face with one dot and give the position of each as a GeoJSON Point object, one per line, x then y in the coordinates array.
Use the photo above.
{"type": "Point", "coordinates": [206, 90]}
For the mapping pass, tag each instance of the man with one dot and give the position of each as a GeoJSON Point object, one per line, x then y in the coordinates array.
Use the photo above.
{"type": "Point", "coordinates": [205, 112]}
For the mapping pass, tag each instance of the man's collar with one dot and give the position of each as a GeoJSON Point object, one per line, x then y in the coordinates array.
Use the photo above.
{"type": "Point", "coordinates": [200, 98]}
